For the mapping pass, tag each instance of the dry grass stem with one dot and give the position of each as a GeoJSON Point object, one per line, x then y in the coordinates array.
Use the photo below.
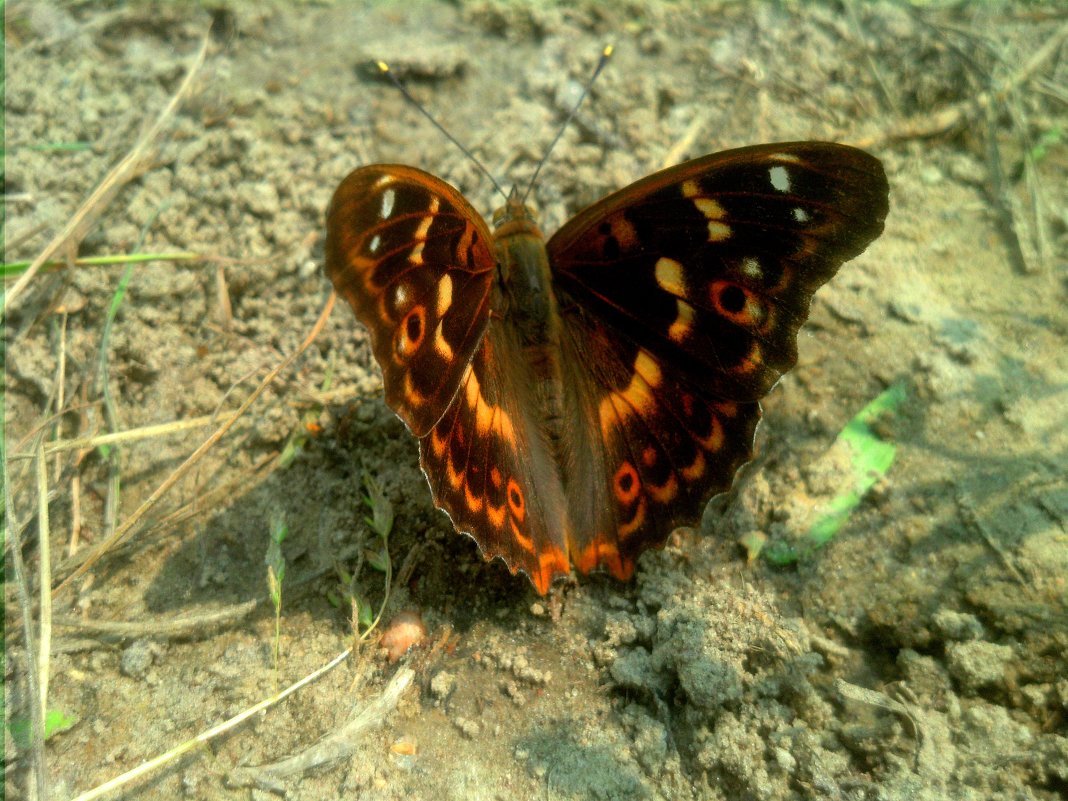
{"type": "Point", "coordinates": [194, 458]}
{"type": "Point", "coordinates": [151, 765]}
{"type": "Point", "coordinates": [679, 150]}
{"type": "Point", "coordinates": [131, 165]}
{"type": "Point", "coordinates": [187, 626]}
{"type": "Point", "coordinates": [45, 578]}
{"type": "Point", "coordinates": [14, 552]}
{"type": "Point", "coordinates": [336, 745]}
{"type": "Point", "coordinates": [133, 434]}
{"type": "Point", "coordinates": [953, 116]}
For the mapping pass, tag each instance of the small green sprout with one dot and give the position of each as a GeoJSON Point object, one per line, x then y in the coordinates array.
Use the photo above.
{"type": "Point", "coordinates": [55, 721]}
{"type": "Point", "coordinates": [381, 522]}
{"type": "Point", "coordinates": [870, 458]}
{"type": "Point", "coordinates": [276, 573]}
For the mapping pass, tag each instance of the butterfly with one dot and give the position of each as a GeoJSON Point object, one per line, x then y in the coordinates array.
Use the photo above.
{"type": "Point", "coordinates": [577, 399]}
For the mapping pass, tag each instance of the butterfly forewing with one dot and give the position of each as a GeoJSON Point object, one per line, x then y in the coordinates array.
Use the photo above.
{"type": "Point", "coordinates": [416, 264]}
{"type": "Point", "coordinates": [711, 264]}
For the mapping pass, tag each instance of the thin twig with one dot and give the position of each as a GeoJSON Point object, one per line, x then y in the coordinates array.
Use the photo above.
{"type": "Point", "coordinates": [24, 451]}
{"type": "Point", "coordinates": [1039, 245]}
{"type": "Point", "coordinates": [162, 629]}
{"type": "Point", "coordinates": [22, 585]}
{"type": "Point", "coordinates": [61, 379]}
{"type": "Point", "coordinates": [873, 68]}
{"type": "Point", "coordinates": [951, 117]}
{"type": "Point", "coordinates": [335, 745]}
{"type": "Point", "coordinates": [243, 481]}
{"type": "Point", "coordinates": [689, 136]}
{"type": "Point", "coordinates": [1002, 200]}
{"type": "Point", "coordinates": [971, 519]}
{"type": "Point", "coordinates": [44, 567]}
{"type": "Point", "coordinates": [148, 767]}
{"type": "Point", "coordinates": [110, 261]}
{"type": "Point", "coordinates": [14, 242]}
{"type": "Point", "coordinates": [130, 435]}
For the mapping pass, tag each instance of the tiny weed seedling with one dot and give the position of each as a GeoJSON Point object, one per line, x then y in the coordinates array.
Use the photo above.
{"type": "Point", "coordinates": [868, 457]}
{"type": "Point", "coordinates": [276, 573]}
{"type": "Point", "coordinates": [1049, 139]}
{"type": "Point", "coordinates": [13, 269]}
{"type": "Point", "coordinates": [381, 522]}
{"type": "Point", "coordinates": [364, 620]}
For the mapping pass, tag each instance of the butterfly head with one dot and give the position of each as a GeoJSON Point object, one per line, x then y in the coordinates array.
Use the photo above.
{"type": "Point", "coordinates": [515, 217]}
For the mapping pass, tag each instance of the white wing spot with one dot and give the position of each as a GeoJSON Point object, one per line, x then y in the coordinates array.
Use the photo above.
{"type": "Point", "coordinates": [800, 215]}
{"type": "Point", "coordinates": [400, 296]}
{"type": "Point", "coordinates": [376, 240]}
{"type": "Point", "coordinates": [780, 178]}
{"type": "Point", "coordinates": [388, 197]}
{"type": "Point", "coordinates": [751, 268]}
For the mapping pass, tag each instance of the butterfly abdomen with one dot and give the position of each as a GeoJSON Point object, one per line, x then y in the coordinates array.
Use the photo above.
{"type": "Point", "coordinates": [531, 313]}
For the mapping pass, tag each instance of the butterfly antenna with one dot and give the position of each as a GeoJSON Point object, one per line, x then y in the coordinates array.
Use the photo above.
{"type": "Point", "coordinates": [383, 67]}
{"type": "Point", "coordinates": [605, 55]}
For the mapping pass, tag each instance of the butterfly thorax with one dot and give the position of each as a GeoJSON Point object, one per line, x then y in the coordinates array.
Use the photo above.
{"type": "Point", "coordinates": [526, 295]}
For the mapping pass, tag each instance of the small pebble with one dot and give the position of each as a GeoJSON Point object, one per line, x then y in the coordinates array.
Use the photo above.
{"type": "Point", "coordinates": [404, 630]}
{"type": "Point", "coordinates": [137, 659]}
{"type": "Point", "coordinates": [978, 663]}
{"type": "Point", "coordinates": [442, 685]}
{"type": "Point", "coordinates": [468, 728]}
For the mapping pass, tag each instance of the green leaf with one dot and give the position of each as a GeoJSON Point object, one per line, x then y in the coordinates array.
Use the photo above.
{"type": "Point", "coordinates": [379, 560]}
{"type": "Point", "coordinates": [381, 519]}
{"type": "Point", "coordinates": [1051, 138]}
{"type": "Point", "coordinates": [365, 615]}
{"type": "Point", "coordinates": [55, 722]}
{"type": "Point", "coordinates": [869, 457]}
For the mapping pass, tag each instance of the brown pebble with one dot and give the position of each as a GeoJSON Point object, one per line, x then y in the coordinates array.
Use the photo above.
{"type": "Point", "coordinates": [404, 630]}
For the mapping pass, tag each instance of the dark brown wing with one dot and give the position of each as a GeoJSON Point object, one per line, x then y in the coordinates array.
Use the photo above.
{"type": "Point", "coordinates": [682, 296]}
{"type": "Point", "coordinates": [657, 450]}
{"type": "Point", "coordinates": [416, 264]}
{"type": "Point", "coordinates": [491, 469]}
{"type": "Point", "coordinates": [712, 264]}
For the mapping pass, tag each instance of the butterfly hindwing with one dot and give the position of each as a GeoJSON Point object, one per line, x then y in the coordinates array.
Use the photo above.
{"type": "Point", "coordinates": [490, 467]}
{"type": "Point", "coordinates": [711, 264]}
{"type": "Point", "coordinates": [416, 264]}
{"type": "Point", "coordinates": [657, 450]}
